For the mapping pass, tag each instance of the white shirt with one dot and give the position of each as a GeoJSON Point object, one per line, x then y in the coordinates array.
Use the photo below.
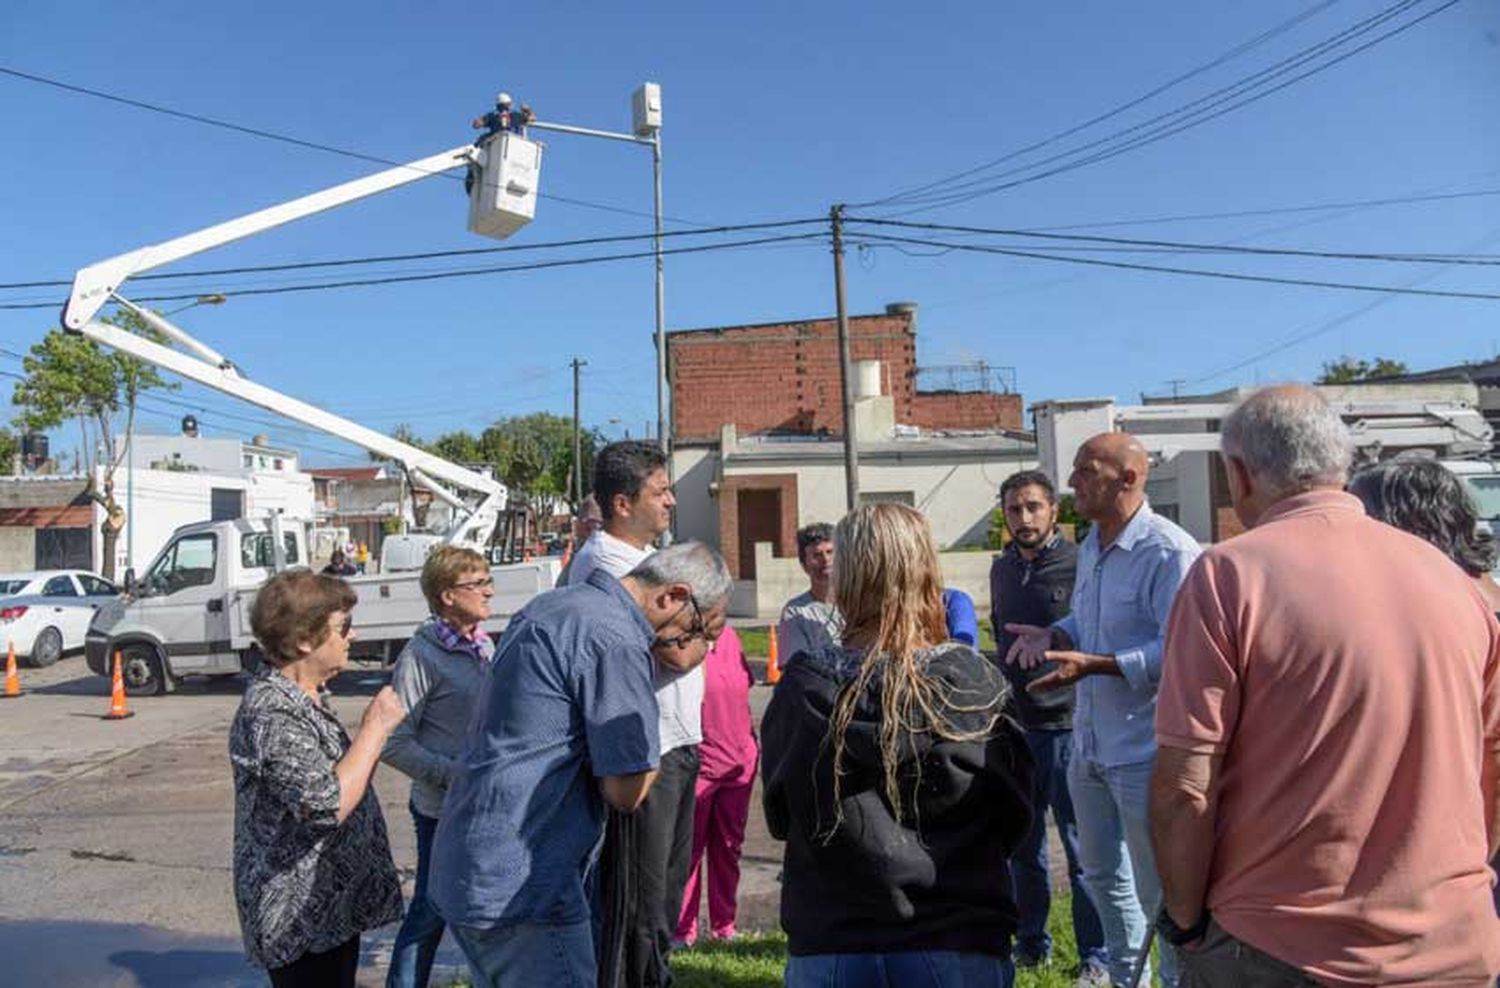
{"type": "Point", "coordinates": [679, 696]}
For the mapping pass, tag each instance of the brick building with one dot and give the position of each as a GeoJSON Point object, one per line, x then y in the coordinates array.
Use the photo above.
{"type": "Point", "coordinates": [783, 378]}
{"type": "Point", "coordinates": [758, 423]}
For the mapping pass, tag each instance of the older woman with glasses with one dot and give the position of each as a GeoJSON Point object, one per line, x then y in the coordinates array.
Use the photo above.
{"type": "Point", "coordinates": [312, 863]}
{"type": "Point", "coordinates": [438, 676]}
{"type": "Point", "coordinates": [899, 780]}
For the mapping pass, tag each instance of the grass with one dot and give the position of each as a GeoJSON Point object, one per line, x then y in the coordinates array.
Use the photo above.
{"type": "Point", "coordinates": [758, 961]}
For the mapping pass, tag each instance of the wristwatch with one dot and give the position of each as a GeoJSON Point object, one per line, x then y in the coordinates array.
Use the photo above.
{"type": "Point", "coordinates": [1168, 930]}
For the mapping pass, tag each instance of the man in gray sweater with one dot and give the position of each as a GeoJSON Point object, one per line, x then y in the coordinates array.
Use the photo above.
{"type": "Point", "coordinates": [437, 677]}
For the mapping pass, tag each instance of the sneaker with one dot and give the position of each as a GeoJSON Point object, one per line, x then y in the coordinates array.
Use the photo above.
{"type": "Point", "coordinates": [1092, 976]}
{"type": "Point", "coordinates": [678, 943]}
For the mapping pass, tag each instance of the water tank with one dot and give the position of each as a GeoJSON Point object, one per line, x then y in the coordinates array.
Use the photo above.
{"type": "Point", "coordinates": [502, 198]}
{"type": "Point", "coordinates": [867, 379]}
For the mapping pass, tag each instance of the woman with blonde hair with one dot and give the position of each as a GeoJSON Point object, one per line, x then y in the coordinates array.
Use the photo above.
{"type": "Point", "coordinates": [899, 780]}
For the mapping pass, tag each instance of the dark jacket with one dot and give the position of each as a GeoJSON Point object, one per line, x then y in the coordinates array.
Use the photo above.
{"type": "Point", "coordinates": [937, 879]}
{"type": "Point", "coordinates": [1036, 592]}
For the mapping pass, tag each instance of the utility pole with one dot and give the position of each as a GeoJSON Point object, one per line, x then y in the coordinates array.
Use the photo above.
{"type": "Point", "coordinates": [577, 442]}
{"type": "Point", "coordinates": [846, 369]}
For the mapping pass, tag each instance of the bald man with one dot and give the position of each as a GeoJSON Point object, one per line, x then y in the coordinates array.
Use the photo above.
{"type": "Point", "coordinates": [1110, 645]}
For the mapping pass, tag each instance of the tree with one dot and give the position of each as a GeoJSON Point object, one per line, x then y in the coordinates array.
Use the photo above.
{"type": "Point", "coordinates": [1348, 370]}
{"type": "Point", "coordinates": [70, 377]}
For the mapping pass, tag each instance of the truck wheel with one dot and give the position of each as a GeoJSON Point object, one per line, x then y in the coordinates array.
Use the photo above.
{"type": "Point", "coordinates": [47, 649]}
{"type": "Point", "coordinates": [142, 671]}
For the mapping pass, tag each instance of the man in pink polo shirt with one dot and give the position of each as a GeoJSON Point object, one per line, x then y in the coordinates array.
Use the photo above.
{"type": "Point", "coordinates": [1328, 732]}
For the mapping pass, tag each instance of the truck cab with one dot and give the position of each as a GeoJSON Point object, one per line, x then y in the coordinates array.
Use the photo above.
{"type": "Point", "coordinates": [184, 615]}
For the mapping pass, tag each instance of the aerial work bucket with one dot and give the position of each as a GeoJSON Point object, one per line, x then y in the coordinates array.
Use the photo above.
{"type": "Point", "coordinates": [503, 196]}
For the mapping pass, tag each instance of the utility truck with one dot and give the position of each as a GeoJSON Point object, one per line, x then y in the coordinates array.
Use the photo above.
{"type": "Point", "coordinates": [189, 613]}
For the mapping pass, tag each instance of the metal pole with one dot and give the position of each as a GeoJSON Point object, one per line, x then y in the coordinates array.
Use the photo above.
{"type": "Point", "coordinates": [577, 443]}
{"type": "Point", "coordinates": [130, 497]}
{"type": "Point", "coordinates": [661, 307]}
{"type": "Point", "coordinates": [846, 369]}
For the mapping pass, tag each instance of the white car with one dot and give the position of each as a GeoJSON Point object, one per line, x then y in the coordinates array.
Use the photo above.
{"type": "Point", "coordinates": [46, 613]}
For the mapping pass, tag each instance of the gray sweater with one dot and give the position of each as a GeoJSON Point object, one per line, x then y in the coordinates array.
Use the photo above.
{"type": "Point", "coordinates": [438, 687]}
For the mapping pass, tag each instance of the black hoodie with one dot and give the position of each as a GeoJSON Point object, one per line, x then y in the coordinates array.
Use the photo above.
{"type": "Point", "coordinates": [938, 879]}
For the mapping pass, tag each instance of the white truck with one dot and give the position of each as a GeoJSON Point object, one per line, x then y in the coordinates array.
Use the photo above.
{"type": "Point", "coordinates": [189, 613]}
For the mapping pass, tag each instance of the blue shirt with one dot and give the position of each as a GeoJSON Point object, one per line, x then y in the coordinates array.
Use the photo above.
{"type": "Point", "coordinates": [963, 623]}
{"type": "Point", "coordinates": [569, 699]}
{"type": "Point", "coordinates": [1122, 598]}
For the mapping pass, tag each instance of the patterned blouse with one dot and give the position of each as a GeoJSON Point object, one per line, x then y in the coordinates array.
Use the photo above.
{"type": "Point", "coordinates": [303, 882]}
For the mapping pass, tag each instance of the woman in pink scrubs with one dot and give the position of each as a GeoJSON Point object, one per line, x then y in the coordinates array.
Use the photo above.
{"type": "Point", "coordinates": [728, 756]}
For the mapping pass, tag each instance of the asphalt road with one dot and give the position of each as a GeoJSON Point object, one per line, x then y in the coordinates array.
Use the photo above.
{"type": "Point", "coordinates": [115, 838]}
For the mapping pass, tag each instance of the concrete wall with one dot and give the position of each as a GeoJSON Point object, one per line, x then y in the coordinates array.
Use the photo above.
{"type": "Point", "coordinates": [17, 549]}
{"type": "Point", "coordinates": [779, 580]}
{"type": "Point", "coordinates": [957, 498]}
{"type": "Point", "coordinates": [694, 469]}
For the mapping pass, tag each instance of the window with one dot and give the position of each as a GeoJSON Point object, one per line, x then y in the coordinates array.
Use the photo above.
{"type": "Point", "coordinates": [277, 463]}
{"type": "Point", "coordinates": [255, 550]}
{"type": "Point", "coordinates": [8, 587]}
{"type": "Point", "coordinates": [188, 562]}
{"type": "Point", "coordinates": [249, 462]}
{"type": "Point", "coordinates": [1486, 494]}
{"type": "Point", "coordinates": [95, 587]}
{"type": "Point", "coordinates": [60, 586]}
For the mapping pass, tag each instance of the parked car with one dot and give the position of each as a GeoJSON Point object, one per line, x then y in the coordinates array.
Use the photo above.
{"type": "Point", "coordinates": [46, 613]}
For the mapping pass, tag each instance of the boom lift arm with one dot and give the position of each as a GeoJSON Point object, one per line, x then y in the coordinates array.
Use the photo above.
{"type": "Point", "coordinates": [98, 284]}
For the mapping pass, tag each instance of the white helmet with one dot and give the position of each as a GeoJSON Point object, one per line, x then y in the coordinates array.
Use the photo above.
{"type": "Point", "coordinates": [503, 99]}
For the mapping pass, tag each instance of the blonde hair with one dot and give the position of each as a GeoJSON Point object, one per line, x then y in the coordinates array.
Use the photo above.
{"type": "Point", "coordinates": [889, 588]}
{"type": "Point", "coordinates": [445, 566]}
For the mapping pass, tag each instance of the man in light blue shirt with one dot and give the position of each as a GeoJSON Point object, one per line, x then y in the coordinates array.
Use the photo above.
{"type": "Point", "coordinates": [1129, 568]}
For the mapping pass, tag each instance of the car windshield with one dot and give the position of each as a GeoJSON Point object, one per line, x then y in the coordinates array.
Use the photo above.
{"type": "Point", "coordinates": [9, 587]}
{"type": "Point", "coordinates": [1486, 494]}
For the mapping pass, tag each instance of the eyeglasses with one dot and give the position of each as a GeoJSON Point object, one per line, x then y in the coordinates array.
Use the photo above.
{"type": "Point", "coordinates": [488, 583]}
{"type": "Point", "coordinates": [695, 631]}
{"type": "Point", "coordinates": [347, 627]}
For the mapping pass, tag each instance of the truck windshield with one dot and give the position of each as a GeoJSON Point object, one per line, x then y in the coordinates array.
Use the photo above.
{"type": "Point", "coordinates": [188, 562]}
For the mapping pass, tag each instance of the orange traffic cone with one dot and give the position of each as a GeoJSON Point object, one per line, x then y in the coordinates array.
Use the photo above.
{"type": "Point", "coordinates": [12, 681]}
{"type": "Point", "coordinates": [117, 709]}
{"type": "Point", "coordinates": [773, 667]}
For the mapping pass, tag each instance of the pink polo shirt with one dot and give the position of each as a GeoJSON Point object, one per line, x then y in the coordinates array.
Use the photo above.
{"type": "Point", "coordinates": [728, 752]}
{"type": "Point", "coordinates": [1349, 674]}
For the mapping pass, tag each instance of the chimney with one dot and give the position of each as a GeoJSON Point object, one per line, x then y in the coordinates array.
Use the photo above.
{"type": "Point", "coordinates": [907, 309]}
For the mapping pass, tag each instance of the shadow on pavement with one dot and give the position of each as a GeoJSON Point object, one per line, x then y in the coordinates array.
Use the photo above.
{"type": "Point", "coordinates": [118, 954]}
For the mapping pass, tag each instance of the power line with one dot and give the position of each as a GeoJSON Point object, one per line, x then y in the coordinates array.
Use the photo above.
{"type": "Point", "coordinates": [286, 139]}
{"type": "Point", "coordinates": [1122, 243]}
{"type": "Point", "coordinates": [1200, 111]}
{"type": "Point", "coordinates": [433, 254]}
{"type": "Point", "coordinates": [462, 273]}
{"type": "Point", "coordinates": [1192, 272]}
{"type": "Point", "coordinates": [1270, 211]}
{"type": "Point", "coordinates": [1230, 55]}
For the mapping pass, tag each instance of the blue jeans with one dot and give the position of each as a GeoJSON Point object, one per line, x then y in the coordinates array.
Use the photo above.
{"type": "Point", "coordinates": [907, 969]}
{"type": "Point", "coordinates": [528, 954]}
{"type": "Point", "coordinates": [1119, 867]}
{"type": "Point", "coordinates": [1030, 868]}
{"type": "Point", "coordinates": [422, 929]}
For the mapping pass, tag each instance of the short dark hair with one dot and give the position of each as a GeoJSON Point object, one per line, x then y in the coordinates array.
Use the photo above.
{"type": "Point", "coordinates": [622, 468]}
{"type": "Point", "coordinates": [811, 535]}
{"type": "Point", "coordinates": [293, 606]}
{"type": "Point", "coordinates": [1028, 478]}
{"type": "Point", "coordinates": [1424, 498]}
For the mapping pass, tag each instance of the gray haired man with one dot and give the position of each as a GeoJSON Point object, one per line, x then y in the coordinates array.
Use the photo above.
{"type": "Point", "coordinates": [566, 724]}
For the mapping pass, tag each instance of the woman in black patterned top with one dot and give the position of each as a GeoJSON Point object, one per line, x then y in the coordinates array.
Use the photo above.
{"type": "Point", "coordinates": [312, 864]}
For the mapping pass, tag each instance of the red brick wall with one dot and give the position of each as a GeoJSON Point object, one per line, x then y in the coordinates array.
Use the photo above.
{"type": "Point", "coordinates": [785, 376]}
{"type": "Point", "coordinates": [963, 410]}
{"type": "Point", "coordinates": [781, 375]}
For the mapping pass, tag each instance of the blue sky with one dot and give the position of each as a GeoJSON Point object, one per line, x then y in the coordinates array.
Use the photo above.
{"type": "Point", "coordinates": [771, 111]}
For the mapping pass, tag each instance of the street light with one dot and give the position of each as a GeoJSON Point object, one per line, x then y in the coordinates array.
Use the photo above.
{"type": "Point", "coordinates": [645, 106]}
{"type": "Point", "coordinates": [211, 299]}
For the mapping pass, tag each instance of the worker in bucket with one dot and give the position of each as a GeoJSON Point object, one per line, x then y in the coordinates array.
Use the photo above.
{"type": "Point", "coordinates": [496, 121]}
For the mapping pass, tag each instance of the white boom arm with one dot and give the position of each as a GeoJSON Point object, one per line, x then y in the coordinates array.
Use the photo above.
{"type": "Point", "coordinates": [98, 284]}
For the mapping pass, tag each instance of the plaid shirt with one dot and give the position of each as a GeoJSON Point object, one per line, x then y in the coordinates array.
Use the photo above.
{"type": "Point", "coordinates": [480, 645]}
